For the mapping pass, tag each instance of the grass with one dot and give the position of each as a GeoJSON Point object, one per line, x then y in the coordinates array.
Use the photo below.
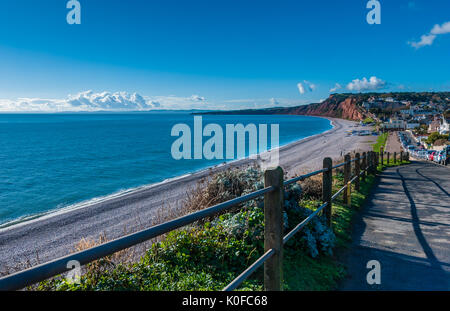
{"type": "Point", "coordinates": [381, 142]}
{"type": "Point", "coordinates": [302, 272]}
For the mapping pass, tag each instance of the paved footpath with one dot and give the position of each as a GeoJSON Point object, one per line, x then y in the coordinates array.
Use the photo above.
{"type": "Point", "coordinates": [405, 227]}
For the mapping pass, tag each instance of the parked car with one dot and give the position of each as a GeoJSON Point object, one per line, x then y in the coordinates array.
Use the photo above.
{"type": "Point", "coordinates": [440, 157]}
{"type": "Point", "coordinates": [431, 155]}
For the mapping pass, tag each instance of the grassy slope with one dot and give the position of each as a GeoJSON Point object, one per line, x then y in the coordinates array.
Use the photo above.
{"type": "Point", "coordinates": [381, 142]}
{"type": "Point", "coordinates": [323, 273]}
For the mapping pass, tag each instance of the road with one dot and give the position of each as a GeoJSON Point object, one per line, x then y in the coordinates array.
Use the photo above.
{"type": "Point", "coordinates": [405, 227]}
{"type": "Point", "coordinates": [393, 143]}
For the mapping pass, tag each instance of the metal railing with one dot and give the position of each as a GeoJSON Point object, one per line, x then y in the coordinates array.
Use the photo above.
{"type": "Point", "coordinates": [274, 241]}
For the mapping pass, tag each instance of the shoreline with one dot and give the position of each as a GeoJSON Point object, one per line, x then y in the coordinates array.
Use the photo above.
{"type": "Point", "coordinates": [54, 235]}
{"type": "Point", "coordinates": [24, 220]}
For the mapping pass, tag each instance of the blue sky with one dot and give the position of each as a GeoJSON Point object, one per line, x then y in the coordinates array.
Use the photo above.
{"type": "Point", "coordinates": [228, 54]}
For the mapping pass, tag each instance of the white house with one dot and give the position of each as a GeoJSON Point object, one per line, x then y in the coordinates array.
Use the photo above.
{"type": "Point", "coordinates": [395, 124]}
{"type": "Point", "coordinates": [434, 126]}
{"type": "Point", "coordinates": [444, 127]}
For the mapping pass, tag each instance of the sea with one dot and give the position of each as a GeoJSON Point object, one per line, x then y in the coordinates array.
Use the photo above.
{"type": "Point", "coordinates": [53, 161]}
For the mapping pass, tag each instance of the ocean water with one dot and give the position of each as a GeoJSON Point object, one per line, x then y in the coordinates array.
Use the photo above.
{"type": "Point", "coordinates": [52, 161]}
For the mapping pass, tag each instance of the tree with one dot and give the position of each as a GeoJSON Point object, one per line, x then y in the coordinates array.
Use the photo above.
{"type": "Point", "coordinates": [435, 136]}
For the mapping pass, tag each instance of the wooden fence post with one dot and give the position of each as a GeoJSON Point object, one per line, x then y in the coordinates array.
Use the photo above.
{"type": "Point", "coordinates": [273, 230]}
{"type": "Point", "coordinates": [382, 156]}
{"type": "Point", "coordinates": [347, 175]}
{"type": "Point", "coordinates": [374, 163]}
{"type": "Point", "coordinates": [364, 166]}
{"type": "Point", "coordinates": [349, 194]}
{"type": "Point", "coordinates": [395, 157]}
{"type": "Point", "coordinates": [357, 170]}
{"type": "Point", "coordinates": [327, 185]}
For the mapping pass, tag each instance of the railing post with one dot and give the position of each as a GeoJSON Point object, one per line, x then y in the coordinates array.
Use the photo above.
{"type": "Point", "coordinates": [273, 230]}
{"type": "Point", "coordinates": [407, 156]}
{"type": "Point", "coordinates": [327, 184]}
{"type": "Point", "coordinates": [382, 156]}
{"type": "Point", "coordinates": [373, 163]}
{"type": "Point", "coordinates": [388, 155]}
{"type": "Point", "coordinates": [357, 170]}
{"type": "Point", "coordinates": [364, 166]}
{"type": "Point", "coordinates": [347, 177]}
{"type": "Point", "coordinates": [349, 194]}
{"type": "Point", "coordinates": [401, 157]}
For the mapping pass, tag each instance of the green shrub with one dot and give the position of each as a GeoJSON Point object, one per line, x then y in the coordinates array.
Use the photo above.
{"type": "Point", "coordinates": [208, 255]}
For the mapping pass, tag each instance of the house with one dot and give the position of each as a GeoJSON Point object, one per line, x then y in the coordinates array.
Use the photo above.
{"type": "Point", "coordinates": [410, 126]}
{"type": "Point", "coordinates": [444, 126]}
{"type": "Point", "coordinates": [394, 124]}
{"type": "Point", "coordinates": [405, 112]}
{"type": "Point", "coordinates": [434, 126]}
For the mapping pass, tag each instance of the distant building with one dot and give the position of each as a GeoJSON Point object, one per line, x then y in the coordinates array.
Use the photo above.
{"type": "Point", "coordinates": [434, 126]}
{"type": "Point", "coordinates": [444, 126]}
{"type": "Point", "coordinates": [394, 124]}
{"type": "Point", "coordinates": [409, 112]}
{"type": "Point", "coordinates": [410, 126]}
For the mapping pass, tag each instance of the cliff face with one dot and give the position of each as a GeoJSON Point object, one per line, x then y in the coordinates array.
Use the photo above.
{"type": "Point", "coordinates": [332, 107]}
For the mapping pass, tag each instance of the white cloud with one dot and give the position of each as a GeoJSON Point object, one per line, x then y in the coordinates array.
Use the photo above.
{"type": "Point", "coordinates": [428, 39]}
{"type": "Point", "coordinates": [336, 87]}
{"type": "Point", "coordinates": [106, 101]}
{"type": "Point", "coordinates": [366, 85]}
{"type": "Point", "coordinates": [301, 88]}
{"type": "Point", "coordinates": [441, 29]}
{"type": "Point", "coordinates": [273, 101]}
{"type": "Point", "coordinates": [306, 86]}
{"type": "Point", "coordinates": [122, 101]}
{"type": "Point", "coordinates": [424, 41]}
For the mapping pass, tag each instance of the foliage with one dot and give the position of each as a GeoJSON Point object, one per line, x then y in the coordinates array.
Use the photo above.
{"type": "Point", "coordinates": [368, 120]}
{"type": "Point", "coordinates": [209, 255]}
{"type": "Point", "coordinates": [433, 137]}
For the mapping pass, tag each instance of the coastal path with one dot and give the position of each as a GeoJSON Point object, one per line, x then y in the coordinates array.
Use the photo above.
{"type": "Point", "coordinates": [406, 228]}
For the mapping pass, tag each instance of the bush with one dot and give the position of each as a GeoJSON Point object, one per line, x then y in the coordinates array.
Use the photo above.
{"type": "Point", "coordinates": [433, 137]}
{"type": "Point", "coordinates": [208, 255]}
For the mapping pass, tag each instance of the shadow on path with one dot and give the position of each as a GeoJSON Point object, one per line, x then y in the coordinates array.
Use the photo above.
{"type": "Point", "coordinates": [416, 226]}
{"type": "Point", "coordinates": [411, 240]}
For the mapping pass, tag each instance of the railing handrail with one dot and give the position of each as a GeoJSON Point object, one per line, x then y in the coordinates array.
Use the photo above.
{"type": "Point", "coordinates": [57, 266]}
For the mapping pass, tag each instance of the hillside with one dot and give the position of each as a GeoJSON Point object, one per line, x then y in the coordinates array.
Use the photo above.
{"type": "Point", "coordinates": [346, 106]}
{"type": "Point", "coordinates": [336, 106]}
